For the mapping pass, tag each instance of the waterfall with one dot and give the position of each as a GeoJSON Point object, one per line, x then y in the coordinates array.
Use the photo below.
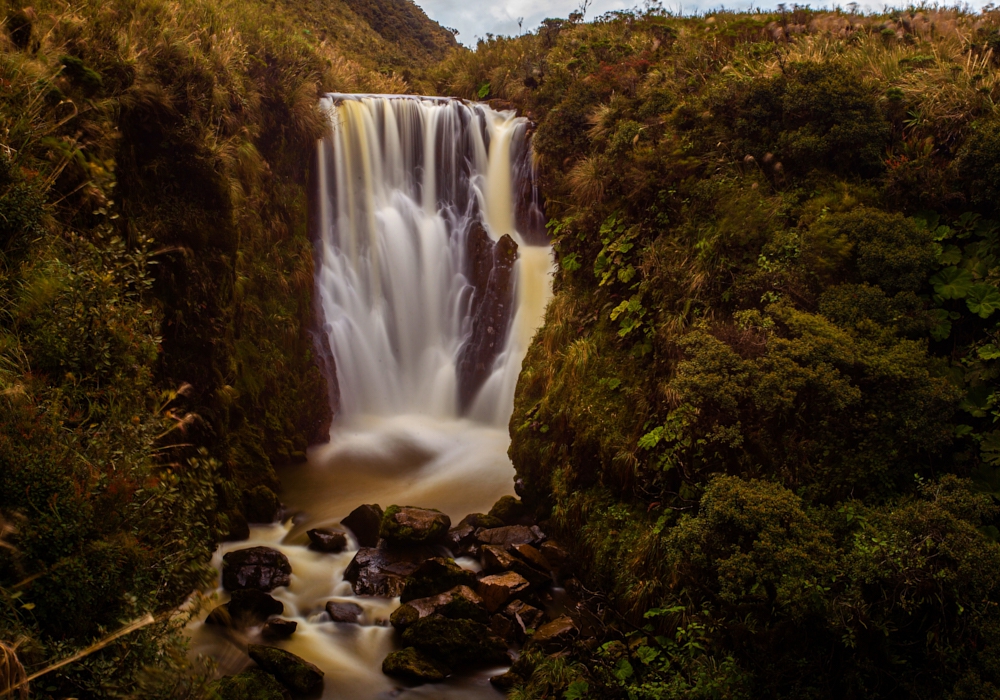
{"type": "Point", "coordinates": [432, 273]}
{"type": "Point", "coordinates": [407, 187]}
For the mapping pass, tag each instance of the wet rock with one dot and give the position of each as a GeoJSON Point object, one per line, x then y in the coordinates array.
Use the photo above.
{"type": "Point", "coordinates": [261, 505]}
{"type": "Point", "coordinates": [504, 627]}
{"type": "Point", "coordinates": [436, 575]}
{"type": "Point", "coordinates": [497, 560]}
{"type": "Point", "coordinates": [460, 602]}
{"type": "Point", "coordinates": [527, 616]}
{"type": "Point", "coordinates": [506, 681]}
{"type": "Point", "coordinates": [533, 556]}
{"type": "Point", "coordinates": [508, 535]}
{"type": "Point", "coordinates": [220, 617]}
{"type": "Point", "coordinates": [252, 684]}
{"type": "Point", "coordinates": [295, 673]}
{"type": "Point", "coordinates": [403, 525]}
{"type": "Point", "coordinates": [491, 274]}
{"type": "Point", "coordinates": [239, 528]}
{"type": "Point", "coordinates": [461, 539]}
{"type": "Point", "coordinates": [344, 612]}
{"type": "Point", "coordinates": [555, 634]}
{"type": "Point", "coordinates": [261, 568]}
{"type": "Point", "coordinates": [497, 590]}
{"type": "Point", "coordinates": [456, 643]}
{"type": "Point", "coordinates": [510, 511]}
{"type": "Point", "coordinates": [365, 522]}
{"type": "Point", "coordinates": [382, 571]}
{"type": "Point", "coordinates": [411, 665]}
{"type": "Point", "coordinates": [251, 607]}
{"type": "Point", "coordinates": [556, 556]}
{"type": "Point", "coordinates": [279, 628]}
{"type": "Point", "coordinates": [329, 541]}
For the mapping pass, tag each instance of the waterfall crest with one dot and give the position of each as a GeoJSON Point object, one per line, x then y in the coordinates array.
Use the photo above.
{"type": "Point", "coordinates": [412, 191]}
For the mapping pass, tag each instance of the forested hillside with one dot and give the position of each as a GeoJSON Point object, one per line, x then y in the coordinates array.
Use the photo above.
{"type": "Point", "coordinates": [156, 300]}
{"type": "Point", "coordinates": [762, 409]}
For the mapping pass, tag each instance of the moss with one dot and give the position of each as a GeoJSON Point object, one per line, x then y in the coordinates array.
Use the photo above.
{"type": "Point", "coordinates": [253, 684]}
{"type": "Point", "coordinates": [409, 664]}
{"type": "Point", "coordinates": [296, 674]}
{"type": "Point", "coordinates": [456, 643]}
{"type": "Point", "coordinates": [435, 576]}
{"type": "Point", "coordinates": [261, 505]}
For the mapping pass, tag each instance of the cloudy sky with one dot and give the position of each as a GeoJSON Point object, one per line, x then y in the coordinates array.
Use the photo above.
{"type": "Point", "coordinates": [474, 18]}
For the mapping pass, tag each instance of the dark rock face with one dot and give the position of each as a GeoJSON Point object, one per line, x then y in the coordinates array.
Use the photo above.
{"type": "Point", "coordinates": [252, 684]}
{"type": "Point", "coordinates": [261, 568]}
{"type": "Point", "coordinates": [456, 643]}
{"type": "Point", "coordinates": [382, 571]}
{"type": "Point", "coordinates": [344, 612]}
{"type": "Point", "coordinates": [460, 602]}
{"type": "Point", "coordinates": [490, 270]}
{"type": "Point", "coordinates": [330, 541]}
{"type": "Point", "coordinates": [510, 511]}
{"type": "Point", "coordinates": [295, 673]}
{"type": "Point", "coordinates": [251, 607]}
{"type": "Point", "coordinates": [434, 576]}
{"type": "Point", "coordinates": [409, 664]}
{"type": "Point", "coordinates": [261, 505]}
{"type": "Point", "coordinates": [239, 528]}
{"type": "Point", "coordinates": [279, 628]}
{"type": "Point", "coordinates": [405, 525]}
{"type": "Point", "coordinates": [364, 522]}
{"type": "Point", "coordinates": [527, 616]}
{"type": "Point", "coordinates": [555, 634]}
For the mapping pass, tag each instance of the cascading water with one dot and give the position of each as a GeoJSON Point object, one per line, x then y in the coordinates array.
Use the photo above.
{"type": "Point", "coordinates": [433, 274]}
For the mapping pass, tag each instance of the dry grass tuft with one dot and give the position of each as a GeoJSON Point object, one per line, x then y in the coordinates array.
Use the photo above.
{"type": "Point", "coordinates": [13, 679]}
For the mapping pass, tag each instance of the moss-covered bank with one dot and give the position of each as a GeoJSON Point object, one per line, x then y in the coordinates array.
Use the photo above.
{"type": "Point", "coordinates": [761, 409]}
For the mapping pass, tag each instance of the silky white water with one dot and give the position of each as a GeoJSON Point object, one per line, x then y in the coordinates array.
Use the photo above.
{"type": "Point", "coordinates": [399, 181]}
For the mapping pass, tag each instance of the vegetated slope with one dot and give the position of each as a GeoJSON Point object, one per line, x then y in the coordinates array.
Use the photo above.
{"type": "Point", "coordinates": [156, 300]}
{"type": "Point", "coordinates": [762, 406]}
{"type": "Point", "coordinates": [401, 23]}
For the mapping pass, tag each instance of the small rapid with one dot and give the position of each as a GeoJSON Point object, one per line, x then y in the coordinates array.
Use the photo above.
{"type": "Point", "coordinates": [425, 326]}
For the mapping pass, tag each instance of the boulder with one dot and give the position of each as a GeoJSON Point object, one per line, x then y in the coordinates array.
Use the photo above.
{"type": "Point", "coordinates": [528, 617]}
{"type": "Point", "coordinates": [330, 541]}
{"type": "Point", "coordinates": [220, 617]}
{"type": "Point", "coordinates": [508, 536]}
{"type": "Point", "coordinates": [365, 522]}
{"type": "Point", "coordinates": [409, 664]}
{"type": "Point", "coordinates": [456, 643]}
{"type": "Point", "coordinates": [497, 590]}
{"type": "Point", "coordinates": [252, 684]}
{"type": "Point", "coordinates": [436, 575]}
{"type": "Point", "coordinates": [251, 607]}
{"type": "Point", "coordinates": [460, 602]}
{"type": "Point", "coordinates": [261, 568]}
{"type": "Point", "coordinates": [239, 528]}
{"type": "Point", "coordinates": [461, 539]}
{"type": "Point", "coordinates": [404, 525]}
{"type": "Point", "coordinates": [555, 634]}
{"type": "Point", "coordinates": [511, 511]}
{"type": "Point", "coordinates": [497, 560]}
{"type": "Point", "coordinates": [344, 612]}
{"type": "Point", "coordinates": [557, 557]}
{"type": "Point", "coordinates": [531, 555]}
{"type": "Point", "coordinates": [381, 571]}
{"type": "Point", "coordinates": [279, 628]}
{"type": "Point", "coordinates": [261, 505]}
{"type": "Point", "coordinates": [505, 628]}
{"type": "Point", "coordinates": [295, 673]}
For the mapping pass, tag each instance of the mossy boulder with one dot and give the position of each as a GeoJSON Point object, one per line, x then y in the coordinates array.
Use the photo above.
{"type": "Point", "coordinates": [435, 576]}
{"type": "Point", "coordinates": [510, 511]}
{"type": "Point", "coordinates": [261, 505]}
{"type": "Point", "coordinates": [459, 603]}
{"type": "Point", "coordinates": [252, 684]}
{"type": "Point", "coordinates": [402, 525]}
{"type": "Point", "coordinates": [456, 643]}
{"type": "Point", "coordinates": [411, 665]}
{"type": "Point", "coordinates": [295, 673]}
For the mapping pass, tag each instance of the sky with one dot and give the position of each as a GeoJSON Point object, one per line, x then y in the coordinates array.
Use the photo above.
{"type": "Point", "coordinates": [474, 18]}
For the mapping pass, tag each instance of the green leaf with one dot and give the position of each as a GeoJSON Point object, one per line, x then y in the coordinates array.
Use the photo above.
{"type": "Point", "coordinates": [623, 670]}
{"type": "Point", "coordinates": [952, 283]}
{"type": "Point", "coordinates": [577, 690]}
{"type": "Point", "coordinates": [484, 91]}
{"type": "Point", "coordinates": [647, 655]}
{"type": "Point", "coordinates": [989, 352]}
{"type": "Point", "coordinates": [652, 438]}
{"type": "Point", "coordinates": [942, 329]}
{"type": "Point", "coordinates": [983, 299]}
{"type": "Point", "coordinates": [571, 262]}
{"type": "Point", "coordinates": [950, 255]}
